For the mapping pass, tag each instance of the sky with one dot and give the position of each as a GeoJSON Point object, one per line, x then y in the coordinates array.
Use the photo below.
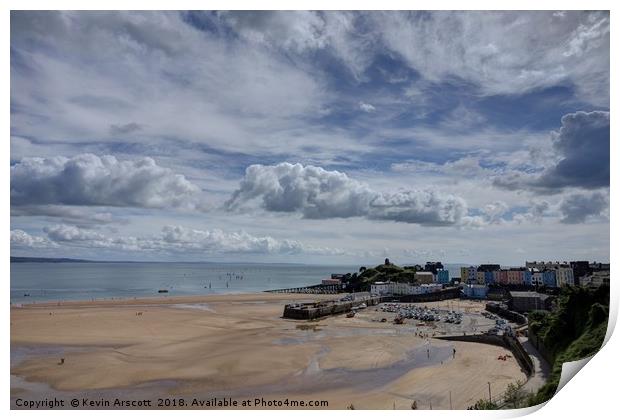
{"type": "Point", "coordinates": [310, 137]}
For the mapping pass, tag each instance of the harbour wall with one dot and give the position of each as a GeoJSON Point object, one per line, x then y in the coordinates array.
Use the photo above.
{"type": "Point", "coordinates": [321, 309]}
{"type": "Point", "coordinates": [515, 317]}
{"type": "Point", "coordinates": [506, 341]}
{"type": "Point", "coordinates": [444, 294]}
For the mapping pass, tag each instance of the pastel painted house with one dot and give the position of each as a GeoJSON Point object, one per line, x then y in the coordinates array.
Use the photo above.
{"type": "Point", "coordinates": [548, 278]}
{"type": "Point", "coordinates": [475, 291]}
{"type": "Point", "coordinates": [468, 274]}
{"type": "Point", "coordinates": [443, 276]}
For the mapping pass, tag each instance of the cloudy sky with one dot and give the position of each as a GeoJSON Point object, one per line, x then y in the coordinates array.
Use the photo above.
{"type": "Point", "coordinates": [310, 137]}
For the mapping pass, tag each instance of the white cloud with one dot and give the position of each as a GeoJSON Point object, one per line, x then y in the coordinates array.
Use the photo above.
{"type": "Point", "coordinates": [172, 239]}
{"type": "Point", "coordinates": [474, 47]}
{"type": "Point", "coordinates": [89, 180]}
{"type": "Point", "coordinates": [66, 233]}
{"type": "Point", "coordinates": [468, 165]}
{"type": "Point", "coordinates": [21, 239]}
{"type": "Point", "coordinates": [534, 214]}
{"type": "Point", "coordinates": [366, 107]}
{"type": "Point", "coordinates": [319, 194]}
{"type": "Point", "coordinates": [138, 77]}
{"type": "Point", "coordinates": [494, 211]}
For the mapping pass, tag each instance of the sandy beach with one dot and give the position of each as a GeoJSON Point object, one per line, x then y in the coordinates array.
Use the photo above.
{"type": "Point", "coordinates": [238, 346]}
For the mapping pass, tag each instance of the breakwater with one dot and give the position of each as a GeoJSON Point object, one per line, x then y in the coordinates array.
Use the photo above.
{"type": "Point", "coordinates": [313, 310]}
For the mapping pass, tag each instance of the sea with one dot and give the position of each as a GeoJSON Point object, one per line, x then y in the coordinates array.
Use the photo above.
{"type": "Point", "coordinates": [65, 281]}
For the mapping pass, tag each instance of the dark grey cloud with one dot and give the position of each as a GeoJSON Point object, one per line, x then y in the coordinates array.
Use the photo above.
{"type": "Point", "coordinates": [582, 146]}
{"type": "Point", "coordinates": [534, 213]}
{"type": "Point", "coordinates": [319, 194]}
{"type": "Point", "coordinates": [90, 180]}
{"type": "Point", "coordinates": [124, 128]}
{"type": "Point", "coordinates": [79, 216]}
{"type": "Point", "coordinates": [576, 208]}
{"type": "Point", "coordinates": [583, 143]}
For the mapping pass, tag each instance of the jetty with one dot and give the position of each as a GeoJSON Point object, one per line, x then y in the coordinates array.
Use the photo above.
{"type": "Point", "coordinates": [317, 289]}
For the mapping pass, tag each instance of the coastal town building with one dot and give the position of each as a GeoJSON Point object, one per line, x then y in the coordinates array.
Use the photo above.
{"type": "Point", "coordinates": [475, 291]}
{"type": "Point", "coordinates": [380, 288]}
{"type": "Point", "coordinates": [331, 282]}
{"type": "Point", "coordinates": [564, 276]}
{"type": "Point", "coordinates": [515, 276]}
{"type": "Point", "coordinates": [580, 269]}
{"type": "Point", "coordinates": [485, 273]}
{"type": "Point", "coordinates": [597, 266]}
{"type": "Point", "coordinates": [402, 289]}
{"type": "Point", "coordinates": [529, 301]}
{"type": "Point", "coordinates": [527, 277]}
{"type": "Point", "coordinates": [469, 274]}
{"type": "Point", "coordinates": [596, 279]}
{"type": "Point", "coordinates": [424, 277]}
{"type": "Point", "coordinates": [433, 266]}
{"type": "Point", "coordinates": [548, 278]}
{"type": "Point", "coordinates": [489, 267]}
{"type": "Point", "coordinates": [502, 277]}
{"type": "Point", "coordinates": [537, 279]}
{"type": "Point", "coordinates": [442, 276]}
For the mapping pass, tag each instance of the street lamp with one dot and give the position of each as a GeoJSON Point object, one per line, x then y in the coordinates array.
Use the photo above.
{"type": "Point", "coordinates": [489, 392]}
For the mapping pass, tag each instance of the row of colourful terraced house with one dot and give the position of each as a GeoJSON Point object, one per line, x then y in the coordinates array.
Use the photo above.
{"type": "Point", "coordinates": [553, 276]}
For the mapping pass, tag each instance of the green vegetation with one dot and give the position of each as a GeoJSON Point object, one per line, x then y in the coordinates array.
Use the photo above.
{"type": "Point", "coordinates": [575, 329]}
{"type": "Point", "coordinates": [383, 272]}
{"type": "Point", "coordinates": [514, 397]}
{"type": "Point", "coordinates": [484, 405]}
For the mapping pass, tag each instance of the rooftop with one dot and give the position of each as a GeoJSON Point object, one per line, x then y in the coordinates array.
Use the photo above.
{"type": "Point", "coordinates": [528, 294]}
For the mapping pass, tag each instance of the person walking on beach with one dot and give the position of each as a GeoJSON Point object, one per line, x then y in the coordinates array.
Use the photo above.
{"type": "Point", "coordinates": [453, 352]}
{"type": "Point", "coordinates": [428, 353]}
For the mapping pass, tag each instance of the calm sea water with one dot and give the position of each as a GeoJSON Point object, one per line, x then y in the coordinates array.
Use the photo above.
{"type": "Point", "coordinates": [36, 282]}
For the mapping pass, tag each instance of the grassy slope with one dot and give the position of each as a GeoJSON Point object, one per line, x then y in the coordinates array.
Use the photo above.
{"type": "Point", "coordinates": [387, 273]}
{"type": "Point", "coordinates": [575, 330]}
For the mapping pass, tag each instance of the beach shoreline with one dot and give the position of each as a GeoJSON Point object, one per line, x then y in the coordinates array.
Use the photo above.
{"type": "Point", "coordinates": [239, 346]}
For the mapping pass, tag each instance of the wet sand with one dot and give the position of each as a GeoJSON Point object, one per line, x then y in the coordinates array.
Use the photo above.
{"type": "Point", "coordinates": [239, 346]}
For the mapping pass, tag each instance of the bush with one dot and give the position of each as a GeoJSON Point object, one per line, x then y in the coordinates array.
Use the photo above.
{"type": "Point", "coordinates": [574, 330]}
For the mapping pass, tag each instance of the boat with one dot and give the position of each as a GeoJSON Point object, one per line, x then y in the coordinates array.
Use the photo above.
{"type": "Point", "coordinates": [162, 291]}
{"type": "Point", "coordinates": [350, 314]}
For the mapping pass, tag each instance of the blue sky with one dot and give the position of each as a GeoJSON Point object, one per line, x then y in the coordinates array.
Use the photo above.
{"type": "Point", "coordinates": [316, 137]}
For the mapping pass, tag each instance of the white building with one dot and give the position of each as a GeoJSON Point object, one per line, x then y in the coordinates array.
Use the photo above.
{"type": "Point", "coordinates": [598, 278]}
{"type": "Point", "coordinates": [401, 289]}
{"type": "Point", "coordinates": [564, 276]}
{"type": "Point", "coordinates": [380, 288]}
